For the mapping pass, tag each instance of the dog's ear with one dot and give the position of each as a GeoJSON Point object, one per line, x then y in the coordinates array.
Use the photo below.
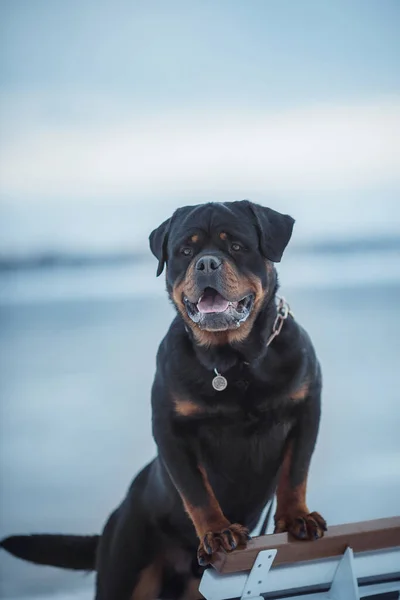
{"type": "Point", "coordinates": [274, 230]}
{"type": "Point", "coordinates": [158, 244]}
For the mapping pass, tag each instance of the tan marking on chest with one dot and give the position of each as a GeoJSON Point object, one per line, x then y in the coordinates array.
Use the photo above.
{"type": "Point", "coordinates": [301, 392]}
{"type": "Point", "coordinates": [187, 408]}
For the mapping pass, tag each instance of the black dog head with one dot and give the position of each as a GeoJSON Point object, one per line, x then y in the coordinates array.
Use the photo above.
{"type": "Point", "coordinates": [219, 263]}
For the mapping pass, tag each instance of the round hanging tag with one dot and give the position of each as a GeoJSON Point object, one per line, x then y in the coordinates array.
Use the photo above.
{"type": "Point", "coordinates": [219, 383]}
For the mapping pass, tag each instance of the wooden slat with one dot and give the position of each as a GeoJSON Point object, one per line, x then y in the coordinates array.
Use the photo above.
{"type": "Point", "coordinates": [363, 536]}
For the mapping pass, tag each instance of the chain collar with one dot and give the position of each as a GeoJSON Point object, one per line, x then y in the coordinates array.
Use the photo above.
{"type": "Point", "coordinates": [220, 382]}
{"type": "Point", "coordinates": [283, 313]}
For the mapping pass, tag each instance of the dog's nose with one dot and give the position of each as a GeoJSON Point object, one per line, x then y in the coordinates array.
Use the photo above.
{"type": "Point", "coordinates": [208, 263]}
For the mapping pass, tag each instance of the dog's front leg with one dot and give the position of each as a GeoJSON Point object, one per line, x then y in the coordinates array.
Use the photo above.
{"type": "Point", "coordinates": [190, 479]}
{"type": "Point", "coordinates": [292, 513]}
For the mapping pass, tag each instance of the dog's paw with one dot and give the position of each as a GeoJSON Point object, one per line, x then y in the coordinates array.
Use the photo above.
{"type": "Point", "coordinates": [301, 525]}
{"type": "Point", "coordinates": [234, 537]}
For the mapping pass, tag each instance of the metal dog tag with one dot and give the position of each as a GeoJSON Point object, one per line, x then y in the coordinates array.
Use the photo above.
{"type": "Point", "coordinates": [219, 382]}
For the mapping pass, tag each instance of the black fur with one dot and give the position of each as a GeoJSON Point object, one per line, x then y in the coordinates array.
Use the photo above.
{"type": "Point", "coordinates": [66, 551]}
{"type": "Point", "coordinates": [231, 442]}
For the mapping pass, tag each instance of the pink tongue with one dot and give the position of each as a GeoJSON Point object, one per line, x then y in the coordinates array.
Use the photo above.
{"type": "Point", "coordinates": [212, 302]}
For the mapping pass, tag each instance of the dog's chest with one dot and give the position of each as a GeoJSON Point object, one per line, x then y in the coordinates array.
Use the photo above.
{"type": "Point", "coordinates": [248, 439]}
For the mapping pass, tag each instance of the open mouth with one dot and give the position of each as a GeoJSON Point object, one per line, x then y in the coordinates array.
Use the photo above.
{"type": "Point", "coordinates": [218, 312]}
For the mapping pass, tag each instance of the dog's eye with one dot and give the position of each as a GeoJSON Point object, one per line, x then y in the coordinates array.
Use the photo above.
{"type": "Point", "coordinates": [236, 247]}
{"type": "Point", "coordinates": [186, 251]}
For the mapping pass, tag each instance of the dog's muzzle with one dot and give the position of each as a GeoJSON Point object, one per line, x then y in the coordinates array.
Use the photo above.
{"type": "Point", "coordinates": [215, 312]}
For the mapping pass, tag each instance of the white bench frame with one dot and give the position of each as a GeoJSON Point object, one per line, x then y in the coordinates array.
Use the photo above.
{"type": "Point", "coordinates": [350, 576]}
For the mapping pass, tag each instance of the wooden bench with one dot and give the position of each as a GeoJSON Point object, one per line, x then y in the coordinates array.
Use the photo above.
{"type": "Point", "coordinates": [352, 561]}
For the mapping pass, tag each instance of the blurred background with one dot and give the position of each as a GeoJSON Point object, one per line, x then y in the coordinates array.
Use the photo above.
{"type": "Point", "coordinates": [112, 115]}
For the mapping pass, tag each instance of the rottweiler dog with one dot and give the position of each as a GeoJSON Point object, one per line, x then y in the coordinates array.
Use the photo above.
{"type": "Point", "coordinates": [236, 410]}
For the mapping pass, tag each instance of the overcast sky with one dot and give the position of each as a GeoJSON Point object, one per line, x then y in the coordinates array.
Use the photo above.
{"type": "Point", "coordinates": [146, 104]}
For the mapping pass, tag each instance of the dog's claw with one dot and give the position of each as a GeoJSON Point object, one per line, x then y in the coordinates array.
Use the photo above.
{"type": "Point", "coordinates": [231, 538]}
{"type": "Point", "coordinates": [203, 562]}
{"type": "Point", "coordinates": [302, 526]}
